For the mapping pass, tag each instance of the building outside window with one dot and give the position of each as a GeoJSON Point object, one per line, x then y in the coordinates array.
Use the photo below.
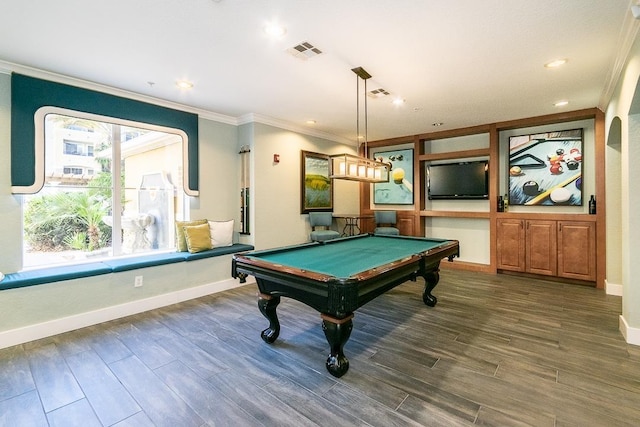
{"type": "Point", "coordinates": [112, 188]}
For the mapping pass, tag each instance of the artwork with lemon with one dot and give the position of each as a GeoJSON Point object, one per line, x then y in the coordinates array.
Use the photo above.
{"type": "Point", "coordinates": [399, 189]}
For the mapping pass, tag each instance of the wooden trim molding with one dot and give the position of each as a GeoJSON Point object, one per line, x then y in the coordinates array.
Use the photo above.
{"type": "Point", "coordinates": [601, 197]}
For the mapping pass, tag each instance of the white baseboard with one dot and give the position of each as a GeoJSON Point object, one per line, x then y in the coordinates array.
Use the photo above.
{"type": "Point", "coordinates": [612, 288]}
{"type": "Point", "coordinates": [631, 335]}
{"type": "Point", "coordinates": [53, 327]}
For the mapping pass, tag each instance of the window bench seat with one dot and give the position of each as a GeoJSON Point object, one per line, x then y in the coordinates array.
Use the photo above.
{"type": "Point", "coordinates": [67, 272]}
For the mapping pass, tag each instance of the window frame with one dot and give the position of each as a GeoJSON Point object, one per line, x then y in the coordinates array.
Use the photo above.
{"type": "Point", "coordinates": [28, 94]}
{"type": "Point", "coordinates": [40, 119]}
{"type": "Point", "coordinates": [41, 116]}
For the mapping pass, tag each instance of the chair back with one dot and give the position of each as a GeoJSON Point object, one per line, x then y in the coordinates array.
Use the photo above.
{"type": "Point", "coordinates": [322, 219]}
{"type": "Point", "coordinates": [385, 217]}
{"type": "Point", "coordinates": [385, 223]}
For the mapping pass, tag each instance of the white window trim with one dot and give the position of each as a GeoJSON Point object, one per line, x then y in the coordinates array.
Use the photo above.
{"type": "Point", "coordinates": [39, 122]}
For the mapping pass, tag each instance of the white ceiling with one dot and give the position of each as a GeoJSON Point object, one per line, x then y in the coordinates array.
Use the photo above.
{"type": "Point", "coordinates": [462, 62]}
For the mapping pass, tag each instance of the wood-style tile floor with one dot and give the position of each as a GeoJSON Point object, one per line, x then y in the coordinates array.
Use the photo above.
{"type": "Point", "coordinates": [496, 350]}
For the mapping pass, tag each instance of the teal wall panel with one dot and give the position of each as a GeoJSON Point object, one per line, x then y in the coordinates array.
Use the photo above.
{"type": "Point", "coordinates": [28, 94]}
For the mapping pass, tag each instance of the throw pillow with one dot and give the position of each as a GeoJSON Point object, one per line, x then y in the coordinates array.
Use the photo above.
{"type": "Point", "coordinates": [221, 233]}
{"type": "Point", "coordinates": [197, 237]}
{"type": "Point", "coordinates": [181, 243]}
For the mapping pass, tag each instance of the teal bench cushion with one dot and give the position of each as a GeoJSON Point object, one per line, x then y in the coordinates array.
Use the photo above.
{"type": "Point", "coordinates": [132, 263]}
{"type": "Point", "coordinates": [53, 274]}
{"type": "Point", "coordinates": [56, 274]}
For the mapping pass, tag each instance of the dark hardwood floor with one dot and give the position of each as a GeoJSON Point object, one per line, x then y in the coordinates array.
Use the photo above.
{"type": "Point", "coordinates": [496, 350]}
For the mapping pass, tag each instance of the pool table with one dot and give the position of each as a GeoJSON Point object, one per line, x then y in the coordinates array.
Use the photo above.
{"type": "Point", "coordinates": [338, 276]}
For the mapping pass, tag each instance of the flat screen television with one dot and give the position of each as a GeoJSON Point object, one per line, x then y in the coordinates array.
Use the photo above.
{"type": "Point", "coordinates": [463, 180]}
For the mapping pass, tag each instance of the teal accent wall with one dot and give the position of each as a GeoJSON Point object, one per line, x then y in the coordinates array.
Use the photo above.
{"type": "Point", "coordinates": [28, 94]}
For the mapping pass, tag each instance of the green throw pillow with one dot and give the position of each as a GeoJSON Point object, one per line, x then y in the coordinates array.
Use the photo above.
{"type": "Point", "coordinates": [181, 243]}
{"type": "Point", "coordinates": [198, 238]}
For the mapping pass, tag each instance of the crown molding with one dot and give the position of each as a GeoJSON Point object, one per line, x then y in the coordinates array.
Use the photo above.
{"type": "Point", "coordinates": [9, 67]}
{"type": "Point", "coordinates": [626, 39]}
{"type": "Point", "coordinates": [266, 120]}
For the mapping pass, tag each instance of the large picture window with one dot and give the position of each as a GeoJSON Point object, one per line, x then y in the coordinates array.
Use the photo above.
{"type": "Point", "coordinates": [111, 188]}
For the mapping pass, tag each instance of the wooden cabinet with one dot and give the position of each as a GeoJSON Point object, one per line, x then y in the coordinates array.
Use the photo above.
{"type": "Point", "coordinates": [541, 247]}
{"type": "Point", "coordinates": [577, 250]}
{"type": "Point", "coordinates": [547, 247]}
{"type": "Point", "coordinates": [510, 244]}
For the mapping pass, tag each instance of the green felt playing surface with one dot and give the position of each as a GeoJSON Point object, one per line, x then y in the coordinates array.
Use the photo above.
{"type": "Point", "coordinates": [346, 257]}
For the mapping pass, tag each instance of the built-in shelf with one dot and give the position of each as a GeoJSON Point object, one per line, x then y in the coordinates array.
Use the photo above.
{"type": "Point", "coordinates": [455, 214]}
{"type": "Point", "coordinates": [482, 152]}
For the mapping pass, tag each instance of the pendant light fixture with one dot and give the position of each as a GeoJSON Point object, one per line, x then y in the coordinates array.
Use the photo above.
{"type": "Point", "coordinates": [359, 168]}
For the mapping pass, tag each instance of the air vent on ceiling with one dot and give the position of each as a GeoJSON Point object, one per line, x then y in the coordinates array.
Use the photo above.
{"type": "Point", "coordinates": [378, 93]}
{"type": "Point", "coordinates": [304, 50]}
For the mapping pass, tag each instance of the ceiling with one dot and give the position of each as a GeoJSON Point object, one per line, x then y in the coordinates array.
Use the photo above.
{"type": "Point", "coordinates": [460, 63]}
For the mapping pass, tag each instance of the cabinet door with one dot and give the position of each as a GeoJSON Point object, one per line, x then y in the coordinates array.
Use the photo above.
{"type": "Point", "coordinates": [405, 225]}
{"type": "Point", "coordinates": [541, 250]}
{"type": "Point", "coordinates": [577, 250]}
{"type": "Point", "coordinates": [510, 244]}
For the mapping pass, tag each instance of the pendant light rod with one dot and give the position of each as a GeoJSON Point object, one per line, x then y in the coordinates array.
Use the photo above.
{"type": "Point", "coordinates": [361, 73]}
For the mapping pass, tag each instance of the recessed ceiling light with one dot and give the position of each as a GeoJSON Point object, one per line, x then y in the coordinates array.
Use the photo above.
{"type": "Point", "coordinates": [556, 63]}
{"type": "Point", "coordinates": [311, 122]}
{"type": "Point", "coordinates": [274, 30]}
{"type": "Point", "coordinates": [398, 101]}
{"type": "Point", "coordinates": [184, 84]}
{"type": "Point", "coordinates": [437, 124]}
{"type": "Point", "coordinates": [561, 103]}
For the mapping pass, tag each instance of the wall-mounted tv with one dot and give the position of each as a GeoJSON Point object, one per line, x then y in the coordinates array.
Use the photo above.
{"type": "Point", "coordinates": [463, 180]}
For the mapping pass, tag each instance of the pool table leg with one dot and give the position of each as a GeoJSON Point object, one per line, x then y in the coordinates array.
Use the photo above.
{"type": "Point", "coordinates": [337, 332]}
{"type": "Point", "coordinates": [267, 305]}
{"type": "Point", "coordinates": [430, 281]}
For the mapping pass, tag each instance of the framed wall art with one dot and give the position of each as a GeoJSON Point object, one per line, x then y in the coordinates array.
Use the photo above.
{"type": "Point", "coordinates": [399, 189]}
{"type": "Point", "coordinates": [546, 169]}
{"type": "Point", "coordinates": [316, 189]}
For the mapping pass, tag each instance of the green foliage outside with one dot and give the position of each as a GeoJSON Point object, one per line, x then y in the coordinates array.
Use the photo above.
{"type": "Point", "coordinates": [70, 220]}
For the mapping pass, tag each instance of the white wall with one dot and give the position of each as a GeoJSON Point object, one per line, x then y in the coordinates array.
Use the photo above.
{"type": "Point", "coordinates": [625, 106]}
{"type": "Point", "coordinates": [277, 220]}
{"type": "Point", "coordinates": [613, 159]}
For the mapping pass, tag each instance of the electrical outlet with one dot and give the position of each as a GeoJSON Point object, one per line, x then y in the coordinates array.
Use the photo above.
{"type": "Point", "coordinates": [137, 282]}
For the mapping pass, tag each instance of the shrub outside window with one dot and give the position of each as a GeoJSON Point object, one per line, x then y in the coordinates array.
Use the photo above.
{"type": "Point", "coordinates": [96, 167]}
